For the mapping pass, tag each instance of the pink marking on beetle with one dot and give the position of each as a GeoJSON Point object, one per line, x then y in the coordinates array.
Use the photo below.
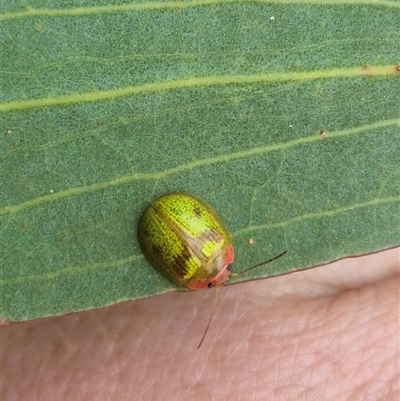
{"type": "Point", "coordinates": [221, 277]}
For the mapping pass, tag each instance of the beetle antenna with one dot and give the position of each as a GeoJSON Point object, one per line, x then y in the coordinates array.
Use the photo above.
{"type": "Point", "coordinates": [258, 265]}
{"type": "Point", "coordinates": [211, 315]}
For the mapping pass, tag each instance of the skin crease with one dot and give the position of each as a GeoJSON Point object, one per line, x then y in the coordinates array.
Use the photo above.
{"type": "Point", "coordinates": [329, 333]}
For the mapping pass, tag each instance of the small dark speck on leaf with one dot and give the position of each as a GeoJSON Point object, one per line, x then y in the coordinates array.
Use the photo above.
{"type": "Point", "coordinates": [367, 69]}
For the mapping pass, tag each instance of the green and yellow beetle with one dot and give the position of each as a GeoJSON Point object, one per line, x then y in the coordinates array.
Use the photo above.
{"type": "Point", "coordinates": [184, 239]}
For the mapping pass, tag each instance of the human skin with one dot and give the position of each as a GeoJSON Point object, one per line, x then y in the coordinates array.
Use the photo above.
{"type": "Point", "coordinates": [328, 333]}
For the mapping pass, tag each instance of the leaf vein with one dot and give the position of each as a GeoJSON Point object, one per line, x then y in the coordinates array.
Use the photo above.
{"type": "Point", "coordinates": [195, 82]}
{"type": "Point", "coordinates": [224, 158]}
{"type": "Point", "coordinates": [246, 230]}
{"type": "Point", "coordinates": [178, 5]}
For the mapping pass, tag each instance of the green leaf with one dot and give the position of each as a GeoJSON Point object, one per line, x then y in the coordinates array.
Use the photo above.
{"type": "Point", "coordinates": [284, 115]}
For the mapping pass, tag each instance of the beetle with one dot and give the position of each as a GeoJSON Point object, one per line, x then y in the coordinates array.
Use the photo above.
{"type": "Point", "coordinates": [183, 237]}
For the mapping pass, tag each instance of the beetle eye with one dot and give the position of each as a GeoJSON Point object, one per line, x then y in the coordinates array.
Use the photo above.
{"type": "Point", "coordinates": [229, 268]}
{"type": "Point", "coordinates": [210, 285]}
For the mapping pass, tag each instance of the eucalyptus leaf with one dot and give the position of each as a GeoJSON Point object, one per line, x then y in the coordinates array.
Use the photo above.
{"type": "Point", "coordinates": [283, 115]}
